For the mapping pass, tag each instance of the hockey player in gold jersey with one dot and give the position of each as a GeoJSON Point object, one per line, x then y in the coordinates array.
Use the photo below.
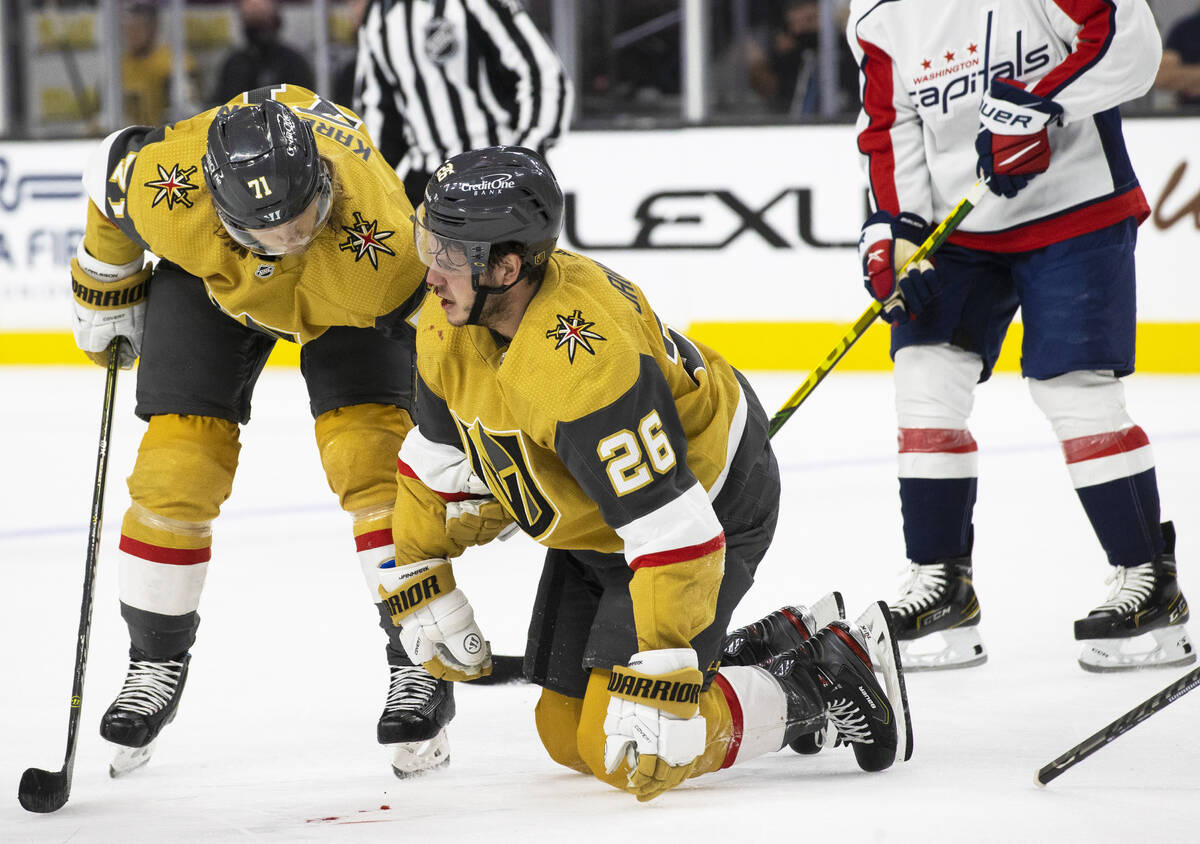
{"type": "Point", "coordinates": [273, 217]}
{"type": "Point", "coordinates": [641, 460]}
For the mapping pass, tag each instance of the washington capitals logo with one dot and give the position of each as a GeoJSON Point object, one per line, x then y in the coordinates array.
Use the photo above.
{"type": "Point", "coordinates": [365, 239]}
{"type": "Point", "coordinates": [573, 332]}
{"type": "Point", "coordinates": [173, 186]}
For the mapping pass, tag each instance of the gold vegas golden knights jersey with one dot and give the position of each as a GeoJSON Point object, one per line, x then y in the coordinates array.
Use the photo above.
{"type": "Point", "coordinates": [148, 192]}
{"type": "Point", "coordinates": [597, 427]}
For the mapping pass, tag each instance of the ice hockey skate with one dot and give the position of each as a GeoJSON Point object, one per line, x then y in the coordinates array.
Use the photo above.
{"type": "Point", "coordinates": [842, 659]}
{"type": "Point", "coordinates": [1140, 625]}
{"type": "Point", "coordinates": [146, 703]}
{"type": "Point", "coordinates": [413, 723]}
{"type": "Point", "coordinates": [937, 615]}
{"type": "Point", "coordinates": [763, 640]}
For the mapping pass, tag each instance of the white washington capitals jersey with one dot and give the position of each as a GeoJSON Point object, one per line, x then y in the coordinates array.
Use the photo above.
{"type": "Point", "coordinates": [925, 65]}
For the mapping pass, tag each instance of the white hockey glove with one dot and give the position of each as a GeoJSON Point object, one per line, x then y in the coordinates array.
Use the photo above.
{"type": "Point", "coordinates": [110, 302]}
{"type": "Point", "coordinates": [437, 624]}
{"type": "Point", "coordinates": [654, 722]}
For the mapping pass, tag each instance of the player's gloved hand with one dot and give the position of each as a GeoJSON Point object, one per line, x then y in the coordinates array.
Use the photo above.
{"type": "Point", "coordinates": [477, 521]}
{"type": "Point", "coordinates": [437, 624]}
{"type": "Point", "coordinates": [885, 245]}
{"type": "Point", "coordinates": [109, 302]}
{"type": "Point", "coordinates": [1012, 143]}
{"type": "Point", "coordinates": [653, 721]}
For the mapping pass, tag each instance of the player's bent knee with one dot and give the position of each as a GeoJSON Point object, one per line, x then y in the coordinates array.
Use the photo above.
{"type": "Point", "coordinates": [1082, 403]}
{"type": "Point", "coordinates": [358, 446]}
{"type": "Point", "coordinates": [557, 719]}
{"type": "Point", "coordinates": [935, 385]}
{"type": "Point", "coordinates": [185, 467]}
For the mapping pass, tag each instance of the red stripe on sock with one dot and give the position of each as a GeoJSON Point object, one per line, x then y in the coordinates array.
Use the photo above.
{"type": "Point", "coordinates": [935, 441]}
{"type": "Point", "coordinates": [373, 539]}
{"type": "Point", "coordinates": [1104, 445]}
{"type": "Point", "coordinates": [166, 556]}
{"type": "Point", "coordinates": [735, 715]}
{"type": "Point", "coordinates": [678, 555]}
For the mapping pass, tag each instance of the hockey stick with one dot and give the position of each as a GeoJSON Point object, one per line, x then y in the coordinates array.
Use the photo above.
{"type": "Point", "coordinates": [860, 326]}
{"type": "Point", "coordinates": [1119, 727]}
{"type": "Point", "coordinates": [47, 791]}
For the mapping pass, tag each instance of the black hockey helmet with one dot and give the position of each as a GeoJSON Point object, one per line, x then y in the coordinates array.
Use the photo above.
{"type": "Point", "coordinates": [487, 196]}
{"type": "Point", "coordinates": [268, 183]}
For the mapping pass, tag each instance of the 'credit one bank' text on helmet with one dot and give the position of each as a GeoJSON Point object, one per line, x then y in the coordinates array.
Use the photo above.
{"type": "Point", "coordinates": [487, 196]}
{"type": "Point", "coordinates": [268, 183]}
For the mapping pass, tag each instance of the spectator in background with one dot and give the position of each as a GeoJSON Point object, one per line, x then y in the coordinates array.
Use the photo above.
{"type": "Point", "coordinates": [1180, 67]}
{"type": "Point", "coordinates": [264, 59]}
{"type": "Point", "coordinates": [343, 77]}
{"type": "Point", "coordinates": [787, 71]}
{"type": "Point", "coordinates": [146, 65]}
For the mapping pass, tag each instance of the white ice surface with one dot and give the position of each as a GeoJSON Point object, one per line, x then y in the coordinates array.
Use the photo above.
{"type": "Point", "coordinates": [275, 736]}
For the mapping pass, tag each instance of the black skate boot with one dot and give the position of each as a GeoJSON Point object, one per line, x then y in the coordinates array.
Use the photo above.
{"type": "Point", "coordinates": [414, 718]}
{"type": "Point", "coordinates": [938, 601]}
{"type": "Point", "coordinates": [783, 630]}
{"type": "Point", "coordinates": [146, 703]}
{"type": "Point", "coordinates": [838, 661]}
{"type": "Point", "coordinates": [1141, 623]}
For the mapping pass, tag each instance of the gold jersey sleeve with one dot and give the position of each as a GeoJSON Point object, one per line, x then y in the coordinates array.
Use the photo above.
{"type": "Point", "coordinates": [361, 266]}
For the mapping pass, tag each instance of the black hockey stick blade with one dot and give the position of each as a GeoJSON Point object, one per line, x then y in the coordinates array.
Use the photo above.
{"type": "Point", "coordinates": [1118, 727]}
{"type": "Point", "coordinates": [44, 791]}
{"type": "Point", "coordinates": [505, 670]}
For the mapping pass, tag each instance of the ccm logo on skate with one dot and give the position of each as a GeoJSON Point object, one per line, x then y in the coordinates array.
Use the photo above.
{"type": "Point", "coordinates": [413, 596]}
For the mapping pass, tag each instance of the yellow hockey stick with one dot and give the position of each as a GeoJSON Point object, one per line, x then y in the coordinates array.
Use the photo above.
{"type": "Point", "coordinates": [860, 326]}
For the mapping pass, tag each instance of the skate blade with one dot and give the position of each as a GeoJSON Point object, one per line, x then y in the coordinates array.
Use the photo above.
{"type": "Point", "coordinates": [827, 608]}
{"type": "Point", "coordinates": [411, 759]}
{"type": "Point", "coordinates": [128, 759]}
{"type": "Point", "coordinates": [876, 622]}
{"type": "Point", "coordinates": [1162, 648]}
{"type": "Point", "coordinates": [944, 650]}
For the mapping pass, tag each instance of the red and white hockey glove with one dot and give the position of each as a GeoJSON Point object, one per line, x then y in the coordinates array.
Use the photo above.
{"type": "Point", "coordinates": [1012, 143]}
{"type": "Point", "coordinates": [110, 302]}
{"type": "Point", "coordinates": [885, 245]}
{"type": "Point", "coordinates": [437, 624]}
{"type": "Point", "coordinates": [654, 722]}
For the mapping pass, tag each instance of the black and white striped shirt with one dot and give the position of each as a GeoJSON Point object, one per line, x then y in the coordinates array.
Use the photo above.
{"type": "Point", "coordinates": [437, 77]}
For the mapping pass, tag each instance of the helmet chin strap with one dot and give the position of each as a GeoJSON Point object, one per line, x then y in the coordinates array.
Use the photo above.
{"type": "Point", "coordinates": [482, 292]}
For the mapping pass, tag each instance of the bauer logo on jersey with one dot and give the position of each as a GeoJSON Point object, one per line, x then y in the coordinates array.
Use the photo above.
{"type": "Point", "coordinates": [574, 332]}
{"type": "Point", "coordinates": [173, 186]}
{"type": "Point", "coordinates": [365, 240]}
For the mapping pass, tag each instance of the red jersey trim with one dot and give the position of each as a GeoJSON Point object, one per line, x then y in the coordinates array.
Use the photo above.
{"type": "Point", "coordinates": [678, 555]}
{"type": "Point", "coordinates": [407, 471]}
{"type": "Point", "coordinates": [1083, 220]}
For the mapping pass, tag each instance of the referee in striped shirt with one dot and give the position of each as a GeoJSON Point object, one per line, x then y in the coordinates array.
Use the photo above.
{"type": "Point", "coordinates": [435, 78]}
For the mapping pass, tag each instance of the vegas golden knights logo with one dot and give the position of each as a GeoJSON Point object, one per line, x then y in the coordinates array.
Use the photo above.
{"type": "Point", "coordinates": [499, 459]}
